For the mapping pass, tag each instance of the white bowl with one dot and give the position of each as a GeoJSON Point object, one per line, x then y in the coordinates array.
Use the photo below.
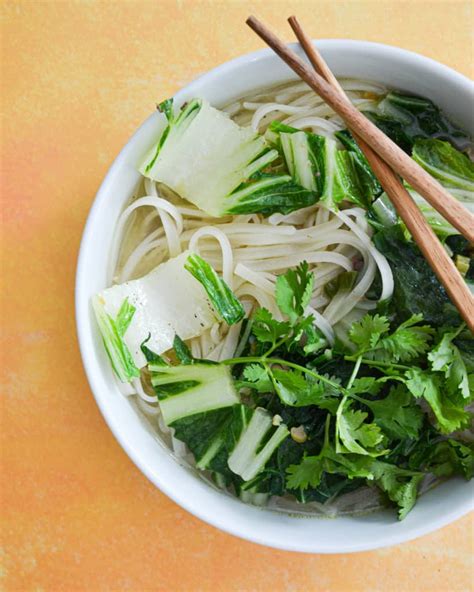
{"type": "Point", "coordinates": [392, 66]}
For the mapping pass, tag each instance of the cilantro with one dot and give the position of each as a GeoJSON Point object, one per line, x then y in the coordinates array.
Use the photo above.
{"type": "Point", "coordinates": [353, 434]}
{"type": "Point", "coordinates": [401, 486]}
{"type": "Point", "coordinates": [267, 329]}
{"type": "Point", "coordinates": [296, 389]}
{"type": "Point", "coordinates": [375, 430]}
{"type": "Point", "coordinates": [307, 473]}
{"type": "Point", "coordinates": [447, 358]}
{"type": "Point", "coordinates": [256, 377]}
{"type": "Point", "coordinates": [367, 332]}
{"type": "Point", "coordinates": [294, 290]}
{"type": "Point", "coordinates": [451, 457]}
{"type": "Point", "coordinates": [450, 416]}
{"type": "Point", "coordinates": [406, 343]}
{"type": "Point", "coordinates": [367, 384]}
{"type": "Point", "coordinates": [397, 414]}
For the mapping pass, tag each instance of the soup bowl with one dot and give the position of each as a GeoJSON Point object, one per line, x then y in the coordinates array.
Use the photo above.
{"type": "Point", "coordinates": [448, 501]}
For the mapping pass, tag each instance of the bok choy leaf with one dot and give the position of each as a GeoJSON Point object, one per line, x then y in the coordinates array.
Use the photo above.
{"type": "Point", "coordinates": [223, 299]}
{"type": "Point", "coordinates": [112, 332]}
{"type": "Point", "coordinates": [406, 118]}
{"type": "Point", "coordinates": [450, 166]}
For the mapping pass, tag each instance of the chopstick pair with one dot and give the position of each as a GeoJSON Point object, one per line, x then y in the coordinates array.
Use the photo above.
{"type": "Point", "coordinates": [385, 157]}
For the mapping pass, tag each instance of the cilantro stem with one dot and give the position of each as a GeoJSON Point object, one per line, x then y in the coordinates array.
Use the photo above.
{"type": "Point", "coordinates": [377, 363]}
{"type": "Point", "coordinates": [262, 360]}
{"type": "Point", "coordinates": [354, 372]}
{"type": "Point", "coordinates": [275, 346]}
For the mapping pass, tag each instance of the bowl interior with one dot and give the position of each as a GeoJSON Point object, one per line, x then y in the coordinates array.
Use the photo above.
{"type": "Point", "coordinates": [391, 66]}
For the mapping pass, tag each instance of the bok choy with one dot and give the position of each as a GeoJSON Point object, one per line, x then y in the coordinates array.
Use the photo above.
{"type": "Point", "coordinates": [200, 402]}
{"type": "Point", "coordinates": [166, 301]}
{"type": "Point", "coordinates": [316, 163]}
{"type": "Point", "coordinates": [212, 162]}
{"type": "Point", "coordinates": [221, 296]}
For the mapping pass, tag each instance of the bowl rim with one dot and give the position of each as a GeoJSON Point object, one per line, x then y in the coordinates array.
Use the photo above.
{"type": "Point", "coordinates": [83, 326]}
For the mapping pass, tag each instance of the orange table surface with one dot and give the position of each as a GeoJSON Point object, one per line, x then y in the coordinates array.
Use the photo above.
{"type": "Point", "coordinates": [77, 79]}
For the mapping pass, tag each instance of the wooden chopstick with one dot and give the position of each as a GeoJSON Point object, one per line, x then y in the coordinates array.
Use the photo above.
{"type": "Point", "coordinates": [449, 207]}
{"type": "Point", "coordinates": [407, 209]}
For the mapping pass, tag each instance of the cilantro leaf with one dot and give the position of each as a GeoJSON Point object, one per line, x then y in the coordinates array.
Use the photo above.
{"type": "Point", "coordinates": [257, 378]}
{"type": "Point", "coordinates": [397, 414]}
{"type": "Point", "coordinates": [447, 358]}
{"type": "Point", "coordinates": [450, 415]}
{"type": "Point", "coordinates": [451, 457]}
{"type": "Point", "coordinates": [407, 342]}
{"type": "Point", "coordinates": [354, 435]}
{"type": "Point", "coordinates": [314, 340]}
{"type": "Point", "coordinates": [307, 473]}
{"type": "Point", "coordinates": [267, 329]}
{"type": "Point", "coordinates": [401, 486]}
{"type": "Point", "coordinates": [298, 390]}
{"type": "Point", "coordinates": [366, 384]}
{"type": "Point", "coordinates": [294, 290]}
{"type": "Point", "coordinates": [367, 332]}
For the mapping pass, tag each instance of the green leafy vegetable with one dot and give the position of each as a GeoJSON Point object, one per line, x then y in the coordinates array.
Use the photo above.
{"type": "Point", "coordinates": [407, 342]}
{"type": "Point", "coordinates": [190, 389]}
{"type": "Point", "coordinates": [417, 289]}
{"type": "Point", "coordinates": [209, 160]}
{"type": "Point", "coordinates": [447, 358]}
{"type": "Point", "coordinates": [300, 158]}
{"type": "Point", "coordinates": [444, 162]}
{"type": "Point", "coordinates": [294, 290]}
{"type": "Point", "coordinates": [449, 413]}
{"type": "Point", "coordinates": [266, 193]}
{"type": "Point", "coordinates": [397, 415]}
{"type": "Point", "coordinates": [112, 332]}
{"type": "Point", "coordinates": [297, 390]}
{"type": "Point", "coordinates": [221, 296]}
{"type": "Point", "coordinates": [151, 356]}
{"type": "Point", "coordinates": [367, 332]}
{"type": "Point", "coordinates": [267, 329]}
{"type": "Point", "coordinates": [400, 485]}
{"type": "Point", "coordinates": [451, 457]}
{"type": "Point", "coordinates": [405, 118]}
{"type": "Point", "coordinates": [316, 163]}
{"type": "Point", "coordinates": [182, 351]}
{"type": "Point", "coordinates": [355, 435]}
{"type": "Point", "coordinates": [310, 471]}
{"type": "Point", "coordinates": [370, 186]}
{"type": "Point", "coordinates": [248, 457]}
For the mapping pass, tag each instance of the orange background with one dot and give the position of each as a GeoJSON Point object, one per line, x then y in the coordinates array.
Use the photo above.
{"type": "Point", "coordinates": [77, 79]}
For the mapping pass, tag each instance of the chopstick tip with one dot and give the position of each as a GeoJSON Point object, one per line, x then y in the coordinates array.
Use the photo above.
{"type": "Point", "coordinates": [251, 20]}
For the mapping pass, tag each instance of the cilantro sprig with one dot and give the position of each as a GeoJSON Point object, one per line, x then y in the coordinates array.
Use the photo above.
{"type": "Point", "coordinates": [372, 419]}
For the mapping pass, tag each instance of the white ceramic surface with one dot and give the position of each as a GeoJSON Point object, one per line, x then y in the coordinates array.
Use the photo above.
{"type": "Point", "coordinates": [396, 68]}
